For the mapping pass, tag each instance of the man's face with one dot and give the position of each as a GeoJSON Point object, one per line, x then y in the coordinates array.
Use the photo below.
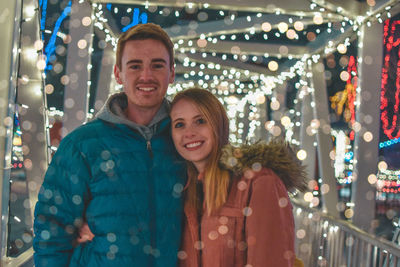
{"type": "Point", "coordinates": [145, 74]}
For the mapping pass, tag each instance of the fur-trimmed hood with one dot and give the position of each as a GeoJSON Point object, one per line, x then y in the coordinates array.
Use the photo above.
{"type": "Point", "coordinates": [275, 155]}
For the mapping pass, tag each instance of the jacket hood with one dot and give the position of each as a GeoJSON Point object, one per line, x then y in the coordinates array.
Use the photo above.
{"type": "Point", "coordinates": [113, 111]}
{"type": "Point", "coordinates": [275, 155]}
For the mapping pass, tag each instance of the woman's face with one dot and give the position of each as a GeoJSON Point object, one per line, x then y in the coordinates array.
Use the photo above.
{"type": "Point", "coordinates": [192, 134]}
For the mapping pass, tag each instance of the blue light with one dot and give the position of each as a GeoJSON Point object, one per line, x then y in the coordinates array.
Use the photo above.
{"type": "Point", "coordinates": [348, 156]}
{"type": "Point", "coordinates": [135, 19]}
{"type": "Point", "coordinates": [143, 17]}
{"type": "Point", "coordinates": [51, 46]}
{"type": "Point", "coordinates": [389, 143]}
{"type": "Point", "coordinates": [108, 6]}
{"type": "Point", "coordinates": [44, 11]}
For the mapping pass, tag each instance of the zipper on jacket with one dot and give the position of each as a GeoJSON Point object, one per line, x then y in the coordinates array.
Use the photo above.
{"type": "Point", "coordinates": [152, 207]}
{"type": "Point", "coordinates": [149, 148]}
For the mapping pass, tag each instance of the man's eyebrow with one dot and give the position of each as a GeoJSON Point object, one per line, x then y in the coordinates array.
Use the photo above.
{"type": "Point", "coordinates": [133, 61]}
{"type": "Point", "coordinates": [155, 60]}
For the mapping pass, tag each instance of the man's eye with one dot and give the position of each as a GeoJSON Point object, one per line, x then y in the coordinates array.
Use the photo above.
{"type": "Point", "coordinates": [158, 66]}
{"type": "Point", "coordinates": [178, 125]}
{"type": "Point", "coordinates": [134, 67]}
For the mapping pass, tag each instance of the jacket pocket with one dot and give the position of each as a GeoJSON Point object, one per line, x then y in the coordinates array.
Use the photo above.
{"type": "Point", "coordinates": [81, 255]}
{"type": "Point", "coordinates": [231, 230]}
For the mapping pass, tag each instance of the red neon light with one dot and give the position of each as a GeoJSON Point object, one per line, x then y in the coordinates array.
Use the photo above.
{"type": "Point", "coordinates": [389, 43]}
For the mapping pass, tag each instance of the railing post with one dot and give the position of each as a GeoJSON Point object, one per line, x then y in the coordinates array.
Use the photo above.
{"type": "Point", "coordinates": [307, 139]}
{"type": "Point", "coordinates": [324, 140]}
{"type": "Point", "coordinates": [10, 32]}
{"type": "Point", "coordinates": [367, 124]}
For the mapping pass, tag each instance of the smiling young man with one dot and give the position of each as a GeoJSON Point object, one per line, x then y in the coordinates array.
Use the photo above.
{"type": "Point", "coordinates": [120, 173]}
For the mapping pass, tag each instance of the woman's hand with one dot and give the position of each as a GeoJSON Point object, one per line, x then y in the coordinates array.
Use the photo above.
{"type": "Point", "coordinates": [85, 234]}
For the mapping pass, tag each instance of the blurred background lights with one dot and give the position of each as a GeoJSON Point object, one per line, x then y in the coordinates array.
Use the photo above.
{"type": "Point", "coordinates": [86, 21]}
{"type": "Point", "coordinates": [37, 90]}
{"type": "Point", "coordinates": [368, 136]}
{"type": "Point", "coordinates": [82, 44]}
{"type": "Point", "coordinates": [301, 154]}
{"type": "Point", "coordinates": [273, 65]}
{"type": "Point", "coordinates": [232, 100]}
{"type": "Point", "coordinates": [324, 189]}
{"type": "Point", "coordinates": [371, 3]}
{"type": "Point", "coordinates": [299, 26]}
{"type": "Point", "coordinates": [291, 34]}
{"type": "Point", "coordinates": [318, 19]}
{"type": "Point", "coordinates": [348, 213]}
{"type": "Point", "coordinates": [344, 75]}
{"type": "Point", "coordinates": [382, 166]}
{"type": "Point", "coordinates": [372, 179]}
{"type": "Point", "coordinates": [300, 234]}
{"type": "Point", "coordinates": [49, 89]}
{"type": "Point", "coordinates": [308, 197]}
{"type": "Point", "coordinates": [266, 26]}
{"type": "Point", "coordinates": [283, 27]}
{"type": "Point", "coordinates": [275, 105]}
{"type": "Point", "coordinates": [29, 11]}
{"type": "Point", "coordinates": [41, 63]}
{"type": "Point", "coordinates": [315, 202]}
{"type": "Point", "coordinates": [260, 99]}
{"type": "Point", "coordinates": [31, 54]}
{"type": "Point", "coordinates": [38, 45]}
{"type": "Point", "coordinates": [202, 43]}
{"type": "Point", "coordinates": [342, 48]}
{"type": "Point", "coordinates": [285, 121]}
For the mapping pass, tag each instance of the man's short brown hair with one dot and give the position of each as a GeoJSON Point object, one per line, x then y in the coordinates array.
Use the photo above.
{"type": "Point", "coordinates": [143, 32]}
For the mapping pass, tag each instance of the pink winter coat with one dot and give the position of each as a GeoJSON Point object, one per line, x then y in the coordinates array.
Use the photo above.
{"type": "Point", "coordinates": [255, 227]}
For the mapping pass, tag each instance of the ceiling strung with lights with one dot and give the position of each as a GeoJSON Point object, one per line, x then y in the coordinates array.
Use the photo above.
{"type": "Point", "coordinates": [230, 47]}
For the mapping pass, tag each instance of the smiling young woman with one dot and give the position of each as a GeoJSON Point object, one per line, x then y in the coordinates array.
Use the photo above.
{"type": "Point", "coordinates": [237, 209]}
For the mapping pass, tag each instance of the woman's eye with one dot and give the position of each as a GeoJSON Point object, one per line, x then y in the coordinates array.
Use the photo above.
{"type": "Point", "coordinates": [201, 121]}
{"type": "Point", "coordinates": [178, 125]}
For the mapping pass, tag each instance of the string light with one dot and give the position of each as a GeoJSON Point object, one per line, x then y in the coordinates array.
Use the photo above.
{"type": "Point", "coordinates": [389, 143]}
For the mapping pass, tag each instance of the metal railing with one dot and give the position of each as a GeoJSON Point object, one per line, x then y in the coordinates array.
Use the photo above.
{"type": "Point", "coordinates": [322, 240]}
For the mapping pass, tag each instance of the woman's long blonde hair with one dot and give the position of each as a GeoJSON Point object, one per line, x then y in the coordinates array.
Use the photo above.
{"type": "Point", "coordinates": [216, 180]}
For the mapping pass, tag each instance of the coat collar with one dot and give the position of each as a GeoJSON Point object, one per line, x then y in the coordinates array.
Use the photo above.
{"type": "Point", "coordinates": [275, 155]}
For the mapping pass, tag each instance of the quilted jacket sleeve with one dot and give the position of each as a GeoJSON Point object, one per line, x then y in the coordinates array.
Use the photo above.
{"type": "Point", "coordinates": [60, 206]}
{"type": "Point", "coordinates": [269, 223]}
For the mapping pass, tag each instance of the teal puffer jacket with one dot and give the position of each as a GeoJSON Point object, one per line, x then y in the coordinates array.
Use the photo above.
{"type": "Point", "coordinates": [108, 175]}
